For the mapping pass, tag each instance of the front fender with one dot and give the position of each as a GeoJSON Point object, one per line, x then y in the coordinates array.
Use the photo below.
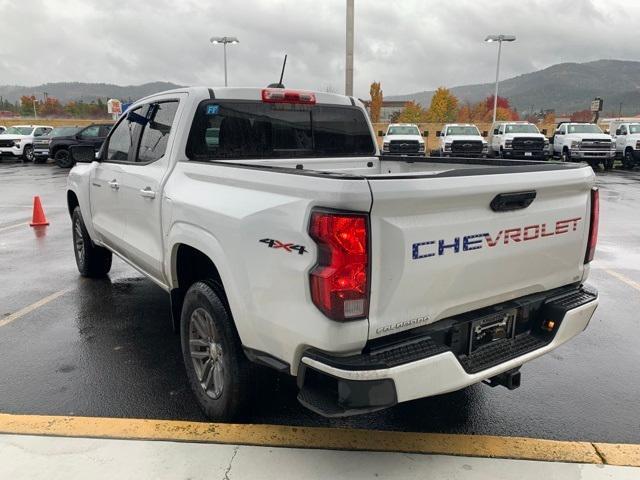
{"type": "Point", "coordinates": [78, 182]}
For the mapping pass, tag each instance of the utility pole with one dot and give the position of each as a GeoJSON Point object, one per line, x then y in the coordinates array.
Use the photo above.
{"type": "Point", "coordinates": [620, 111]}
{"type": "Point", "coordinates": [348, 81]}
{"type": "Point", "coordinates": [35, 113]}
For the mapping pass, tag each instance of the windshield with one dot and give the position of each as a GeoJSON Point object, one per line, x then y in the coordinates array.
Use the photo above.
{"type": "Point", "coordinates": [584, 128]}
{"type": "Point", "coordinates": [634, 128]}
{"type": "Point", "coordinates": [465, 130]}
{"type": "Point", "coordinates": [522, 128]}
{"type": "Point", "coordinates": [63, 131]}
{"type": "Point", "coordinates": [18, 131]}
{"type": "Point", "coordinates": [229, 130]}
{"type": "Point", "coordinates": [403, 130]}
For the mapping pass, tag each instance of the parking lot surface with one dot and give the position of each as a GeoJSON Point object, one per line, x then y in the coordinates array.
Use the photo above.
{"type": "Point", "coordinates": [73, 346]}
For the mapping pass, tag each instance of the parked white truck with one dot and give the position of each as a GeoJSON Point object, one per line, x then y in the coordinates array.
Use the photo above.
{"type": "Point", "coordinates": [283, 238]}
{"type": "Point", "coordinates": [517, 140]}
{"type": "Point", "coordinates": [575, 141]}
{"type": "Point", "coordinates": [403, 139]}
{"type": "Point", "coordinates": [461, 140]}
{"type": "Point", "coordinates": [17, 141]}
{"type": "Point", "coordinates": [626, 136]}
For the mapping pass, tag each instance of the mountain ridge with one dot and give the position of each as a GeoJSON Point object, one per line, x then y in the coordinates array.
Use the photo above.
{"type": "Point", "coordinates": [565, 87]}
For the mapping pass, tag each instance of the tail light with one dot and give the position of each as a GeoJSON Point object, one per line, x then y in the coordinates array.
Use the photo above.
{"type": "Point", "coordinates": [340, 279]}
{"type": "Point", "coordinates": [280, 95]}
{"type": "Point", "coordinates": [593, 225]}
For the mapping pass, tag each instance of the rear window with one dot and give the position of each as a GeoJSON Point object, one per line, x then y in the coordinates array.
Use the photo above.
{"type": "Point", "coordinates": [235, 130]}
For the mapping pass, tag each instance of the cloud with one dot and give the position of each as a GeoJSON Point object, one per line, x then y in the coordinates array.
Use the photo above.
{"type": "Point", "coordinates": [408, 45]}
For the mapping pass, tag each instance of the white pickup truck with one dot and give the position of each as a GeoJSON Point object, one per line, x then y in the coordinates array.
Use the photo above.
{"type": "Point", "coordinates": [574, 141]}
{"type": "Point", "coordinates": [283, 238]}
{"type": "Point", "coordinates": [517, 140]}
{"type": "Point", "coordinates": [403, 139]}
{"type": "Point", "coordinates": [17, 141]}
{"type": "Point", "coordinates": [626, 136]}
{"type": "Point", "coordinates": [461, 140]}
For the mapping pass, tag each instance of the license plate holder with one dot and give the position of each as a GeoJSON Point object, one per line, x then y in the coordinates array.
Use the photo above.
{"type": "Point", "coordinates": [492, 328]}
{"type": "Point", "coordinates": [528, 154]}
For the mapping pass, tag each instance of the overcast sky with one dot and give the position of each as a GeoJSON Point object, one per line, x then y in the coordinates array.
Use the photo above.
{"type": "Point", "coordinates": [408, 45]}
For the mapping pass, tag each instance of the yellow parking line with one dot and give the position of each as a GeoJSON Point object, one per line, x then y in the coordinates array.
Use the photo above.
{"type": "Point", "coordinates": [325, 438]}
{"type": "Point", "coordinates": [10, 227]}
{"type": "Point", "coordinates": [623, 278]}
{"type": "Point", "coordinates": [30, 308]}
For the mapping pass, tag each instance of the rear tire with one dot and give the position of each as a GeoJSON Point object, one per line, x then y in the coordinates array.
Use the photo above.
{"type": "Point", "coordinates": [217, 369]}
{"type": "Point", "coordinates": [92, 260]}
{"type": "Point", "coordinates": [63, 159]}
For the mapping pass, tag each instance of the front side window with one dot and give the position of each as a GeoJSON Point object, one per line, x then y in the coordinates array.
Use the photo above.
{"type": "Point", "coordinates": [155, 134]}
{"type": "Point", "coordinates": [623, 130]}
{"type": "Point", "coordinates": [236, 130]}
{"type": "Point", "coordinates": [90, 132]}
{"type": "Point", "coordinates": [634, 128]}
{"type": "Point", "coordinates": [121, 139]}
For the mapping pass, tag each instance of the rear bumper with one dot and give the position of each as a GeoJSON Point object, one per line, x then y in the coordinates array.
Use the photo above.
{"type": "Point", "coordinates": [333, 387]}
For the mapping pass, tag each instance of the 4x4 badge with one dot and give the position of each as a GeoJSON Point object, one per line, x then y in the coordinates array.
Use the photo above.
{"type": "Point", "coordinates": [287, 247]}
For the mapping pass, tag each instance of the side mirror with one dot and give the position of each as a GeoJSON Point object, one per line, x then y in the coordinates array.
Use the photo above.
{"type": "Point", "coordinates": [425, 133]}
{"type": "Point", "coordinates": [380, 133]}
{"type": "Point", "coordinates": [485, 133]}
{"type": "Point", "coordinates": [618, 131]}
{"type": "Point", "coordinates": [544, 132]}
{"type": "Point", "coordinates": [82, 153]}
{"type": "Point", "coordinates": [439, 134]}
{"type": "Point", "coordinates": [495, 131]}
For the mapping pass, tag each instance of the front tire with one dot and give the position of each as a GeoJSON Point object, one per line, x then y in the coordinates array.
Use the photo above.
{"type": "Point", "coordinates": [566, 155]}
{"type": "Point", "coordinates": [27, 153]}
{"type": "Point", "coordinates": [63, 159]}
{"type": "Point", "coordinates": [217, 369]}
{"type": "Point", "coordinates": [92, 260]}
{"type": "Point", "coordinates": [628, 161]}
{"type": "Point", "coordinates": [608, 163]}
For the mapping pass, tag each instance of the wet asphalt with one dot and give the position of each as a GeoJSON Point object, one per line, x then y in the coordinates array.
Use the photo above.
{"type": "Point", "coordinates": [106, 347]}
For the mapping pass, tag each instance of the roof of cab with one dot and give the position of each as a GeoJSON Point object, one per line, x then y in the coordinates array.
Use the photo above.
{"type": "Point", "coordinates": [251, 93]}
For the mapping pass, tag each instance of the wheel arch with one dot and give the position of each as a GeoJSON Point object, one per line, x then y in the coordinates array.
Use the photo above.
{"type": "Point", "coordinates": [72, 202]}
{"type": "Point", "coordinates": [196, 255]}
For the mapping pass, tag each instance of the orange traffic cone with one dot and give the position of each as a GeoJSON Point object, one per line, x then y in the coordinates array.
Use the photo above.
{"type": "Point", "coordinates": [39, 219]}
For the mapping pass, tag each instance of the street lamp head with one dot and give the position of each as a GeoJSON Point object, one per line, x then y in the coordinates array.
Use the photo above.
{"type": "Point", "coordinates": [224, 40]}
{"type": "Point", "coordinates": [500, 38]}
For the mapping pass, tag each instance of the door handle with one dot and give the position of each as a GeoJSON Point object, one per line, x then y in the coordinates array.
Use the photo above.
{"type": "Point", "coordinates": [506, 202]}
{"type": "Point", "coordinates": [114, 184]}
{"type": "Point", "coordinates": [148, 193]}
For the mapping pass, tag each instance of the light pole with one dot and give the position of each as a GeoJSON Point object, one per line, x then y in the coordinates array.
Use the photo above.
{"type": "Point", "coordinates": [224, 41]}
{"type": "Point", "coordinates": [348, 81]}
{"type": "Point", "coordinates": [499, 39]}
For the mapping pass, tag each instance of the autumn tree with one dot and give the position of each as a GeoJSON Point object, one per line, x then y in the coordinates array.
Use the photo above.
{"type": "Point", "coordinates": [502, 102]}
{"type": "Point", "coordinates": [26, 105]}
{"type": "Point", "coordinates": [444, 106]}
{"type": "Point", "coordinates": [376, 102]}
{"type": "Point", "coordinates": [51, 107]}
{"type": "Point", "coordinates": [581, 116]}
{"type": "Point", "coordinates": [412, 113]}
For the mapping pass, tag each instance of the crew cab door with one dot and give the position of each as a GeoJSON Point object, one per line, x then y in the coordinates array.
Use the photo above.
{"type": "Point", "coordinates": [496, 138]}
{"type": "Point", "coordinates": [108, 210]}
{"type": "Point", "coordinates": [141, 183]}
{"type": "Point", "coordinates": [621, 140]}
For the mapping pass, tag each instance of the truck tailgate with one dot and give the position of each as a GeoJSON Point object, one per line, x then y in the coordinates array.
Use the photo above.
{"type": "Point", "coordinates": [438, 248]}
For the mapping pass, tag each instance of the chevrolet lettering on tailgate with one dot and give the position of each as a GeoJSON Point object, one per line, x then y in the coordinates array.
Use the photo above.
{"type": "Point", "coordinates": [476, 241]}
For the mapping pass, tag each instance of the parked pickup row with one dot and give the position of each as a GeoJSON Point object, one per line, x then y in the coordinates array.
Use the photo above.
{"type": "Point", "coordinates": [283, 238]}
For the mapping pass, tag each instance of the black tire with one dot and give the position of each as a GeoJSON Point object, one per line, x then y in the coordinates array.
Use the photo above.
{"type": "Point", "coordinates": [40, 160]}
{"type": "Point", "coordinates": [566, 155]}
{"type": "Point", "coordinates": [217, 369]}
{"type": "Point", "coordinates": [92, 260]}
{"type": "Point", "coordinates": [63, 159]}
{"type": "Point", "coordinates": [608, 163]}
{"type": "Point", "coordinates": [27, 153]}
{"type": "Point", "coordinates": [628, 160]}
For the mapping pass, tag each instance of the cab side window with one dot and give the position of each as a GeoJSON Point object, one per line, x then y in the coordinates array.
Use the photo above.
{"type": "Point", "coordinates": [90, 132]}
{"type": "Point", "coordinates": [155, 134]}
{"type": "Point", "coordinates": [623, 130]}
{"type": "Point", "coordinates": [122, 138]}
{"type": "Point", "coordinates": [40, 131]}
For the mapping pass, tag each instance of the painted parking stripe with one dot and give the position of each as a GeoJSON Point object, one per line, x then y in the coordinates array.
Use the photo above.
{"type": "Point", "coordinates": [623, 278]}
{"type": "Point", "coordinates": [324, 438]}
{"type": "Point", "coordinates": [34, 306]}
{"type": "Point", "coordinates": [11, 227]}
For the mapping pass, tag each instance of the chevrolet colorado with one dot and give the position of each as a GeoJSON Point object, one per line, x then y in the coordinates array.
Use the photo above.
{"type": "Point", "coordinates": [283, 238]}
